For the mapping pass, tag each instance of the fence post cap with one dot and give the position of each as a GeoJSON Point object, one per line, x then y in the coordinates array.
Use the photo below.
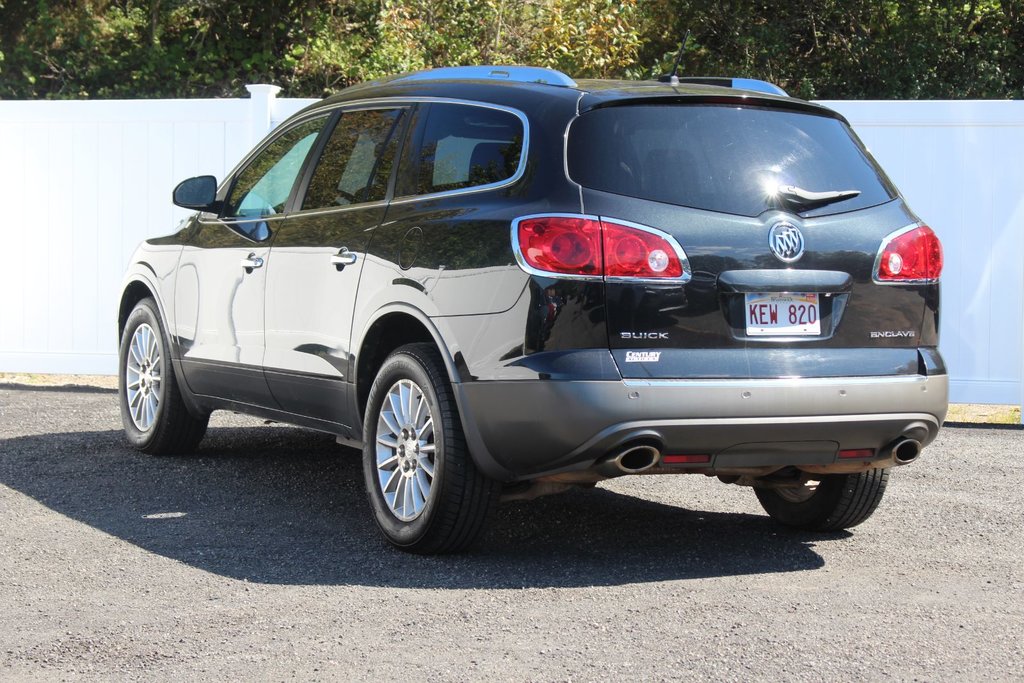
{"type": "Point", "coordinates": [262, 89]}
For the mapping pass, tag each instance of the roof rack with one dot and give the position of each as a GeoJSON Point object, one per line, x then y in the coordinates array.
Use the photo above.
{"type": "Point", "coordinates": [518, 74]}
{"type": "Point", "coordinates": [740, 83]}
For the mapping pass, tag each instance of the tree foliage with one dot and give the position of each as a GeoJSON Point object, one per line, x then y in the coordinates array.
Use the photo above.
{"type": "Point", "coordinates": [813, 48]}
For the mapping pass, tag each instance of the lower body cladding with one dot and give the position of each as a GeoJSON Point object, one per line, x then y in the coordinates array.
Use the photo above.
{"type": "Point", "coordinates": [585, 431]}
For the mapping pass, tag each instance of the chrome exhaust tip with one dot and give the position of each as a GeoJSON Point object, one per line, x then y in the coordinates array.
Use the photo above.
{"type": "Point", "coordinates": [905, 451]}
{"type": "Point", "coordinates": [629, 460]}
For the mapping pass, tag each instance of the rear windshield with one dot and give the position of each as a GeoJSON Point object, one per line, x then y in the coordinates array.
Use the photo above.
{"type": "Point", "coordinates": [722, 158]}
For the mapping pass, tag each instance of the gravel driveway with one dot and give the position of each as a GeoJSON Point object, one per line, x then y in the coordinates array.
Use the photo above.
{"type": "Point", "coordinates": [256, 559]}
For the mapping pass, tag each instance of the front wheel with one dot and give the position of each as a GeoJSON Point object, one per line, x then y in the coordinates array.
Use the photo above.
{"type": "Point", "coordinates": [837, 501]}
{"type": "Point", "coordinates": [425, 492]}
{"type": "Point", "coordinates": [155, 417]}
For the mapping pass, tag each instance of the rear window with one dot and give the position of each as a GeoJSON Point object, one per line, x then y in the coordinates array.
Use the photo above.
{"type": "Point", "coordinates": [721, 158]}
{"type": "Point", "coordinates": [461, 146]}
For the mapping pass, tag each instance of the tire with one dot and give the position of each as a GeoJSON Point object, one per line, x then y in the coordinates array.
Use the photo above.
{"type": "Point", "coordinates": [155, 417]}
{"type": "Point", "coordinates": [839, 501]}
{"type": "Point", "coordinates": [426, 494]}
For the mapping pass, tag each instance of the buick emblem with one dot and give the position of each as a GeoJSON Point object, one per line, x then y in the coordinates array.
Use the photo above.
{"type": "Point", "coordinates": [786, 242]}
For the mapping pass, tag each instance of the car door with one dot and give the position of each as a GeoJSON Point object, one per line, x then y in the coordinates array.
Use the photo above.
{"type": "Point", "coordinates": [316, 261]}
{"type": "Point", "coordinates": [220, 287]}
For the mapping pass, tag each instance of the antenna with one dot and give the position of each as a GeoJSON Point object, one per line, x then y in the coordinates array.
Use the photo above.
{"type": "Point", "coordinates": [672, 78]}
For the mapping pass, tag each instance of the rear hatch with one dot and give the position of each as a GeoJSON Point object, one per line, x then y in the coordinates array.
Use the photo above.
{"type": "Point", "coordinates": [783, 216]}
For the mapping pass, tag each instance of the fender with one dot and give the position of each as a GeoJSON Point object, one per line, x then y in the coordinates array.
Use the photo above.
{"type": "Point", "coordinates": [437, 328]}
{"type": "Point", "coordinates": [440, 340]}
{"type": "Point", "coordinates": [142, 272]}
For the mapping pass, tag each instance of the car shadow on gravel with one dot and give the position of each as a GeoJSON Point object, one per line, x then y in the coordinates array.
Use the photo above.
{"type": "Point", "coordinates": [286, 506]}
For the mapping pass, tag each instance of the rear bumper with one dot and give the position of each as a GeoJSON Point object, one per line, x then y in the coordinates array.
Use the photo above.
{"type": "Point", "coordinates": [525, 429]}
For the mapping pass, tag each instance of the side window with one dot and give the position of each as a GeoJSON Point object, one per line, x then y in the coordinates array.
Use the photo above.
{"type": "Point", "coordinates": [356, 162]}
{"type": "Point", "coordinates": [462, 146]}
{"type": "Point", "coordinates": [263, 187]}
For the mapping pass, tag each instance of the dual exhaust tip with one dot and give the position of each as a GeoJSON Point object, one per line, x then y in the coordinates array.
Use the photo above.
{"type": "Point", "coordinates": [640, 457]}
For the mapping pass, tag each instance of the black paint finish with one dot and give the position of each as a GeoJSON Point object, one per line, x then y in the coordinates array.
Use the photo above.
{"type": "Point", "coordinates": [300, 337]}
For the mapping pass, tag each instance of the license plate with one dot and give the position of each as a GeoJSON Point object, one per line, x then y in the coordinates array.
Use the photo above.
{"type": "Point", "coordinates": [783, 315]}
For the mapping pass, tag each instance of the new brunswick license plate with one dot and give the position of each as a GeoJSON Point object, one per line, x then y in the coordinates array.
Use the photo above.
{"type": "Point", "coordinates": [783, 315]}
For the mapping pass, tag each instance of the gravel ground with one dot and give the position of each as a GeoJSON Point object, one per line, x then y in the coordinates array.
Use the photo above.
{"type": "Point", "coordinates": [257, 559]}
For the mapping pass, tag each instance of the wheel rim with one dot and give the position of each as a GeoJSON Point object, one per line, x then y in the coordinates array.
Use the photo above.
{"type": "Point", "coordinates": [798, 494]}
{"type": "Point", "coordinates": [405, 450]}
{"type": "Point", "coordinates": [143, 383]}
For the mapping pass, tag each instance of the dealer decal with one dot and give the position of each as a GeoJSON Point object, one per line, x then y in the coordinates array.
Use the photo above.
{"type": "Point", "coordinates": [643, 356]}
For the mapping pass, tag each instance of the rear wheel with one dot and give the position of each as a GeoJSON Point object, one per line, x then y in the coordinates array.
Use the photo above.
{"type": "Point", "coordinates": [425, 492]}
{"type": "Point", "coordinates": [837, 501]}
{"type": "Point", "coordinates": [154, 415]}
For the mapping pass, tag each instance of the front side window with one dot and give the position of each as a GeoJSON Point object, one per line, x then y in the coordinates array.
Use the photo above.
{"type": "Point", "coordinates": [356, 162]}
{"type": "Point", "coordinates": [462, 146]}
{"type": "Point", "coordinates": [263, 187]}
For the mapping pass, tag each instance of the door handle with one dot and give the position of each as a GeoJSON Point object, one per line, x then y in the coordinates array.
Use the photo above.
{"type": "Point", "coordinates": [252, 261]}
{"type": "Point", "coordinates": [343, 258]}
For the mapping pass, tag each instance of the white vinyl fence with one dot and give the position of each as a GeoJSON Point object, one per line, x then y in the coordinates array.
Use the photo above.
{"type": "Point", "coordinates": [81, 183]}
{"type": "Point", "coordinates": [959, 166]}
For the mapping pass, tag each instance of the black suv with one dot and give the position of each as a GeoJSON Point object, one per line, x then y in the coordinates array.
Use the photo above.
{"type": "Point", "coordinates": [500, 282]}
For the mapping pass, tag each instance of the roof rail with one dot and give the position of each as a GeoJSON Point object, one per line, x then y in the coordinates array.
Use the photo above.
{"type": "Point", "coordinates": [519, 74]}
{"type": "Point", "coordinates": [740, 83]}
{"type": "Point", "coordinates": [759, 86]}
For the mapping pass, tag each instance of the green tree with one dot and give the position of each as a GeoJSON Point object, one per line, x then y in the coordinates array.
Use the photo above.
{"type": "Point", "coordinates": [813, 48]}
{"type": "Point", "coordinates": [851, 48]}
{"type": "Point", "coordinates": [590, 38]}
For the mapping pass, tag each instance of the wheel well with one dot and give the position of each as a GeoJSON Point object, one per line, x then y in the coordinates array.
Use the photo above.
{"type": "Point", "coordinates": [384, 336]}
{"type": "Point", "coordinates": [133, 294]}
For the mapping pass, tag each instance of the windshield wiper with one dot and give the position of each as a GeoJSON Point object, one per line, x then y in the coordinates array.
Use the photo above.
{"type": "Point", "coordinates": [808, 200]}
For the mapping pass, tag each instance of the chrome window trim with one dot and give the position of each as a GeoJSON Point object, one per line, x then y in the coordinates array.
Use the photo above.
{"type": "Point", "coordinates": [511, 180]}
{"type": "Point", "coordinates": [339, 209]}
{"type": "Point", "coordinates": [234, 220]}
{"type": "Point", "coordinates": [881, 250]}
{"type": "Point", "coordinates": [396, 102]}
{"type": "Point", "coordinates": [282, 216]}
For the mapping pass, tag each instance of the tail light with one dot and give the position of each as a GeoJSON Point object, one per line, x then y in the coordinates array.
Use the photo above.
{"type": "Point", "coordinates": [589, 247]}
{"type": "Point", "coordinates": [566, 245]}
{"type": "Point", "coordinates": [912, 255]}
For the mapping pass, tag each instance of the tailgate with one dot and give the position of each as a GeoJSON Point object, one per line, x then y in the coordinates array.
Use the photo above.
{"type": "Point", "coordinates": [783, 285]}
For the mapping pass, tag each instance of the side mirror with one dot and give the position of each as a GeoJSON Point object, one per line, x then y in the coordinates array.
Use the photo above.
{"type": "Point", "coordinates": [199, 193]}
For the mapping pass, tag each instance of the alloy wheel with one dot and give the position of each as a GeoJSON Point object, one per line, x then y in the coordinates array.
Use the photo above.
{"type": "Point", "coordinates": [142, 377]}
{"type": "Point", "coordinates": [405, 450]}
